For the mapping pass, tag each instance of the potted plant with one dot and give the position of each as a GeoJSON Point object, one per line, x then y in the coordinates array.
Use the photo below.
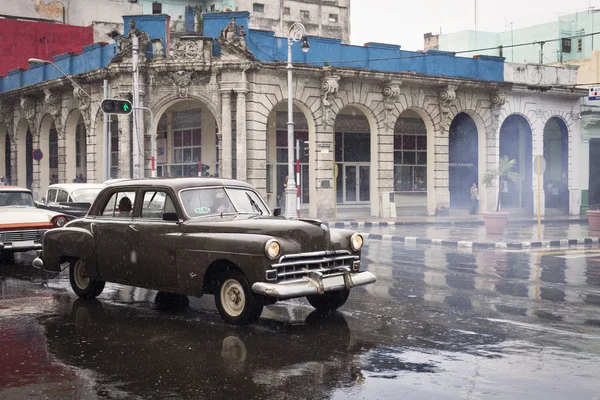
{"type": "Point", "coordinates": [593, 217]}
{"type": "Point", "coordinates": [495, 221]}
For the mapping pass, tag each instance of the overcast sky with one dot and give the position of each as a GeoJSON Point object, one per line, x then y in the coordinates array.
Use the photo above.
{"type": "Point", "coordinates": [404, 22]}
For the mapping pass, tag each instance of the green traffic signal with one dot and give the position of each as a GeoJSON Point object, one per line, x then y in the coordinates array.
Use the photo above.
{"type": "Point", "coordinates": [116, 106]}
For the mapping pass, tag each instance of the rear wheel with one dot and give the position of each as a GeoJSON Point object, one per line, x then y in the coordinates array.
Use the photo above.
{"type": "Point", "coordinates": [82, 284]}
{"type": "Point", "coordinates": [235, 301]}
{"type": "Point", "coordinates": [329, 301]}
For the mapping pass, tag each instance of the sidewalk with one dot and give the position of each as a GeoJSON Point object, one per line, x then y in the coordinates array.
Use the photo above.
{"type": "Point", "coordinates": [463, 232]}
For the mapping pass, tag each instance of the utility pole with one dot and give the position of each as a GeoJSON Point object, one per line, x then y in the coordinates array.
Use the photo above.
{"type": "Point", "coordinates": [136, 100]}
{"type": "Point", "coordinates": [107, 137]}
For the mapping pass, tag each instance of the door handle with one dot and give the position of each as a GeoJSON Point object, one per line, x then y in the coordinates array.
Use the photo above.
{"type": "Point", "coordinates": [94, 228]}
{"type": "Point", "coordinates": [133, 227]}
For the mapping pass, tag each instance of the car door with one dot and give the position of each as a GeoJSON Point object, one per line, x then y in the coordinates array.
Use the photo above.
{"type": "Point", "coordinates": [110, 236]}
{"type": "Point", "coordinates": [152, 240]}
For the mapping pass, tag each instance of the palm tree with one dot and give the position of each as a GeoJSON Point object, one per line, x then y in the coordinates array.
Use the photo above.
{"type": "Point", "coordinates": [505, 170]}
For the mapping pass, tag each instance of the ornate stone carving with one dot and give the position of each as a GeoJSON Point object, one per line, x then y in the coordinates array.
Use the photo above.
{"type": "Point", "coordinates": [187, 49]}
{"type": "Point", "coordinates": [28, 107]}
{"type": "Point", "coordinates": [125, 43]}
{"type": "Point", "coordinates": [497, 100]}
{"type": "Point", "coordinates": [7, 116]}
{"type": "Point", "coordinates": [446, 96]}
{"type": "Point", "coordinates": [329, 86]}
{"type": "Point", "coordinates": [391, 91]}
{"type": "Point", "coordinates": [233, 43]}
{"type": "Point", "coordinates": [54, 102]}
{"type": "Point", "coordinates": [182, 80]}
{"type": "Point", "coordinates": [83, 103]}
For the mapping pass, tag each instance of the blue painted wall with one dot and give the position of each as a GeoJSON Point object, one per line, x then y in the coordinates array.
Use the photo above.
{"type": "Point", "coordinates": [267, 47]}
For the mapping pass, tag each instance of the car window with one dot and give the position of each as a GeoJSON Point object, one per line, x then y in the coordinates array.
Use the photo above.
{"type": "Point", "coordinates": [120, 205]}
{"type": "Point", "coordinates": [62, 196]}
{"type": "Point", "coordinates": [247, 201]}
{"type": "Point", "coordinates": [51, 195]}
{"type": "Point", "coordinates": [206, 202]}
{"type": "Point", "coordinates": [16, 199]}
{"type": "Point", "coordinates": [156, 203]}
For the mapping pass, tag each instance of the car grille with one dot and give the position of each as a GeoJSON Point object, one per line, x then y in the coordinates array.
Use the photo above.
{"type": "Point", "coordinates": [296, 266]}
{"type": "Point", "coordinates": [20, 236]}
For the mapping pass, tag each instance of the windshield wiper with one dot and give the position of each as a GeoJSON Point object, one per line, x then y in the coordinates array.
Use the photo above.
{"type": "Point", "coordinates": [254, 205]}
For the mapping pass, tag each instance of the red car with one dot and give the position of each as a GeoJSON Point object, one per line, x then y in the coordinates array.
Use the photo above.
{"type": "Point", "coordinates": [22, 225]}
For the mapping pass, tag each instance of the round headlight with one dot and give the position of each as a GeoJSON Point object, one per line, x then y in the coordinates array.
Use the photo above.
{"type": "Point", "coordinates": [272, 249]}
{"type": "Point", "coordinates": [60, 222]}
{"type": "Point", "coordinates": [356, 241]}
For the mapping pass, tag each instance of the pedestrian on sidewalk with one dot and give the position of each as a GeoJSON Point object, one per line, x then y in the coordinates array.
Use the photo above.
{"type": "Point", "coordinates": [474, 199]}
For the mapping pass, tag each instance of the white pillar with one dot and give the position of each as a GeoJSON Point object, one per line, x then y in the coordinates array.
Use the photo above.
{"type": "Point", "coordinates": [241, 136]}
{"type": "Point", "coordinates": [226, 161]}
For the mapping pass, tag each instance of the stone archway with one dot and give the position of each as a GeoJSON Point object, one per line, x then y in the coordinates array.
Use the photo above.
{"type": "Point", "coordinates": [516, 143]}
{"type": "Point", "coordinates": [187, 142]}
{"type": "Point", "coordinates": [355, 149]}
{"type": "Point", "coordinates": [24, 140]}
{"type": "Point", "coordinates": [556, 176]}
{"type": "Point", "coordinates": [414, 153]}
{"type": "Point", "coordinates": [277, 155]}
{"type": "Point", "coordinates": [463, 157]}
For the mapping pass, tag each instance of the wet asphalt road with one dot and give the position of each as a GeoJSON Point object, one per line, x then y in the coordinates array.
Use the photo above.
{"type": "Point", "coordinates": [438, 324]}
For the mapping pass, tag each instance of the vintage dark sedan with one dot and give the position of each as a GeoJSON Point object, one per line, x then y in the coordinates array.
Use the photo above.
{"type": "Point", "coordinates": [70, 199]}
{"type": "Point", "coordinates": [205, 235]}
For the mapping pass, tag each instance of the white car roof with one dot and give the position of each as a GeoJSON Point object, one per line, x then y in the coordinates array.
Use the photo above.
{"type": "Point", "coordinates": [13, 189]}
{"type": "Point", "coordinates": [71, 187]}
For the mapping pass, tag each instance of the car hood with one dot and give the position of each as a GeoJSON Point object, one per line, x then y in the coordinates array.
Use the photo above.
{"type": "Point", "coordinates": [308, 235]}
{"type": "Point", "coordinates": [19, 215]}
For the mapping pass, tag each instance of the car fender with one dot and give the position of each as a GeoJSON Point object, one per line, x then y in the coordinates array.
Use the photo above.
{"type": "Point", "coordinates": [69, 242]}
{"type": "Point", "coordinates": [246, 252]}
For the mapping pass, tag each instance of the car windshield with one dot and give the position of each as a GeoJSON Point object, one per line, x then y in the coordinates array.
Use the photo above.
{"type": "Point", "coordinates": [16, 199]}
{"type": "Point", "coordinates": [85, 195]}
{"type": "Point", "coordinates": [204, 202]}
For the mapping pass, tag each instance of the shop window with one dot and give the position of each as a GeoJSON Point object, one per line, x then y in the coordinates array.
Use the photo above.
{"type": "Point", "coordinates": [410, 155]}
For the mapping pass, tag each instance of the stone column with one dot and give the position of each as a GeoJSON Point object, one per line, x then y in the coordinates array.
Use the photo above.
{"type": "Point", "coordinates": [584, 162]}
{"type": "Point", "coordinates": [241, 149]}
{"type": "Point", "coordinates": [226, 139]}
{"type": "Point", "coordinates": [37, 167]}
{"type": "Point", "coordinates": [124, 147]}
{"type": "Point", "coordinates": [385, 150]}
{"type": "Point", "coordinates": [538, 150]}
{"type": "Point", "coordinates": [14, 151]}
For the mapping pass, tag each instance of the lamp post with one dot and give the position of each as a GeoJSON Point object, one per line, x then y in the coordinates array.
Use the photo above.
{"type": "Point", "coordinates": [297, 33]}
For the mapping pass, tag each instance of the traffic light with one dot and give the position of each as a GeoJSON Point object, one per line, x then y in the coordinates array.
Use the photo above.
{"type": "Point", "coordinates": [306, 149]}
{"type": "Point", "coordinates": [116, 106]}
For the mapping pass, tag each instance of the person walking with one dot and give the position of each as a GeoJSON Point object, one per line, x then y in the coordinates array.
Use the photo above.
{"type": "Point", "coordinates": [2, 181]}
{"type": "Point", "coordinates": [474, 199]}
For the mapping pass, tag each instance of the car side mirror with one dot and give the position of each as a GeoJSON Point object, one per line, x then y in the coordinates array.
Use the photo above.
{"type": "Point", "coordinates": [277, 211]}
{"type": "Point", "coordinates": [43, 199]}
{"type": "Point", "coordinates": [170, 216]}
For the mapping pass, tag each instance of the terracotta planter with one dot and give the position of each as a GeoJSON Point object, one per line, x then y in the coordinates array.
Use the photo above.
{"type": "Point", "coordinates": [593, 217]}
{"type": "Point", "coordinates": [495, 222]}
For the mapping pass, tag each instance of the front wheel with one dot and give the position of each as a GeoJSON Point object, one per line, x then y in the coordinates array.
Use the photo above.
{"type": "Point", "coordinates": [84, 286]}
{"type": "Point", "coordinates": [329, 301]}
{"type": "Point", "coordinates": [235, 301]}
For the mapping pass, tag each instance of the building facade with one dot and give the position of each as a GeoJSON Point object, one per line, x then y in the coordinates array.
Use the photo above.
{"type": "Point", "coordinates": [397, 132]}
{"type": "Point", "coordinates": [568, 38]}
{"type": "Point", "coordinates": [323, 18]}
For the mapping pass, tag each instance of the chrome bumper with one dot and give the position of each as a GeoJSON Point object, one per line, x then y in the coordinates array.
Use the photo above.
{"type": "Point", "coordinates": [18, 247]}
{"type": "Point", "coordinates": [315, 283]}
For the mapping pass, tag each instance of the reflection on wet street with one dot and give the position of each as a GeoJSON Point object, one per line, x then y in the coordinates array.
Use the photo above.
{"type": "Point", "coordinates": [438, 324]}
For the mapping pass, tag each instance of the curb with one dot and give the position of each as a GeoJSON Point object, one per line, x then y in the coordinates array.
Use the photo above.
{"type": "Point", "coordinates": [411, 240]}
{"type": "Point", "coordinates": [370, 224]}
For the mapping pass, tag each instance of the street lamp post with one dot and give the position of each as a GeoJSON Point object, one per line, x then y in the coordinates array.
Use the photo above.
{"type": "Point", "coordinates": [297, 33]}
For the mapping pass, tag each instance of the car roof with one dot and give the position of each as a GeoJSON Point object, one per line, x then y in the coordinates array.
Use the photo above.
{"type": "Point", "coordinates": [14, 189]}
{"type": "Point", "coordinates": [178, 184]}
{"type": "Point", "coordinates": [70, 187]}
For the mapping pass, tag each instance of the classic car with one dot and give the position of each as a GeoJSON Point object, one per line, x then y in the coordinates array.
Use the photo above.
{"type": "Point", "coordinates": [71, 199]}
{"type": "Point", "coordinates": [205, 235]}
{"type": "Point", "coordinates": [22, 225]}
